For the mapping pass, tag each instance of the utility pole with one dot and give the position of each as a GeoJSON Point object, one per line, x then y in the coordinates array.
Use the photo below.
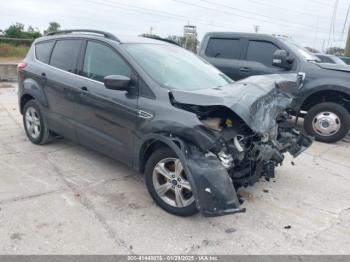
{"type": "Point", "coordinates": [316, 32]}
{"type": "Point", "coordinates": [347, 45]}
{"type": "Point", "coordinates": [256, 29]}
{"type": "Point", "coordinates": [331, 27]}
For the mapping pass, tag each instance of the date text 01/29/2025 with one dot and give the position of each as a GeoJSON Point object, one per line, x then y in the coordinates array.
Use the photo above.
{"type": "Point", "coordinates": [172, 258]}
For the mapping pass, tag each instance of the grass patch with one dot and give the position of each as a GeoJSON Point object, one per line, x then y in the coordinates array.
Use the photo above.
{"type": "Point", "coordinates": [7, 50]}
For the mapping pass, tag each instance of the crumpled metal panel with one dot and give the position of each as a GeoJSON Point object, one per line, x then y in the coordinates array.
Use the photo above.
{"type": "Point", "coordinates": [213, 187]}
{"type": "Point", "coordinates": [255, 99]}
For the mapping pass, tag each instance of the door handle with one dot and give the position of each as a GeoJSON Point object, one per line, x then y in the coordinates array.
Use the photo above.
{"type": "Point", "coordinates": [84, 88]}
{"type": "Point", "coordinates": [245, 69]}
{"type": "Point", "coordinates": [43, 77]}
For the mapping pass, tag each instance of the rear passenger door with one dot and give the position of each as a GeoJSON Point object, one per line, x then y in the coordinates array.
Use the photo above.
{"type": "Point", "coordinates": [224, 54]}
{"type": "Point", "coordinates": [61, 85]}
{"type": "Point", "coordinates": [257, 58]}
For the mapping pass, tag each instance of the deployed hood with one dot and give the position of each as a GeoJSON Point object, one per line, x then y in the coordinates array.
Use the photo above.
{"type": "Point", "coordinates": [258, 100]}
{"type": "Point", "coordinates": [337, 67]}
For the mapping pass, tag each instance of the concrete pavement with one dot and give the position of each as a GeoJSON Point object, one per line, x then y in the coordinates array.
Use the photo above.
{"type": "Point", "coordinates": [64, 199]}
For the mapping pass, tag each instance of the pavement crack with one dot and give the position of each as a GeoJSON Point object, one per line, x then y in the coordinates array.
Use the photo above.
{"type": "Point", "coordinates": [84, 201]}
{"type": "Point", "coordinates": [28, 197]}
{"type": "Point", "coordinates": [335, 221]}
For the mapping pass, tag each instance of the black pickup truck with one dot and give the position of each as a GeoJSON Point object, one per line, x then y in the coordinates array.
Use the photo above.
{"type": "Point", "coordinates": [323, 98]}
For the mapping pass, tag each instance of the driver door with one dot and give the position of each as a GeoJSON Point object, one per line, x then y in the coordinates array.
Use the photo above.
{"type": "Point", "coordinates": [106, 118]}
{"type": "Point", "coordinates": [257, 59]}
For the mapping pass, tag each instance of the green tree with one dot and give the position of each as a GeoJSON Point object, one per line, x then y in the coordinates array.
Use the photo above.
{"type": "Point", "coordinates": [18, 31]}
{"type": "Point", "coordinates": [32, 33]}
{"type": "Point", "coordinates": [53, 26]}
{"type": "Point", "coordinates": [335, 51]}
{"type": "Point", "coordinates": [15, 31]}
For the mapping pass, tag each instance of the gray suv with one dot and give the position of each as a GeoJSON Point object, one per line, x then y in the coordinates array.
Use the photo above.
{"type": "Point", "coordinates": [195, 134]}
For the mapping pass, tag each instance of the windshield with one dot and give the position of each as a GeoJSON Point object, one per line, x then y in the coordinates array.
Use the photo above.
{"type": "Point", "coordinates": [176, 68]}
{"type": "Point", "coordinates": [301, 51]}
{"type": "Point", "coordinates": [338, 61]}
{"type": "Point", "coordinates": [330, 59]}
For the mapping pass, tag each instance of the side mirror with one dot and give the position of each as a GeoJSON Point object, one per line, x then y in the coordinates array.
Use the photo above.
{"type": "Point", "coordinates": [282, 60]}
{"type": "Point", "coordinates": [117, 82]}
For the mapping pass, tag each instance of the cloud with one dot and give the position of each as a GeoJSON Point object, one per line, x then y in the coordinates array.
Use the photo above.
{"type": "Point", "coordinates": [308, 22]}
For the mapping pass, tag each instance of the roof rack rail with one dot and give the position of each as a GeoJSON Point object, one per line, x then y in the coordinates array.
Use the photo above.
{"type": "Point", "coordinates": [105, 34]}
{"type": "Point", "coordinates": [161, 39]}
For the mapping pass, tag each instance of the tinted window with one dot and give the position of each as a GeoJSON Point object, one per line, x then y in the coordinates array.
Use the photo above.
{"type": "Point", "coordinates": [101, 61]}
{"type": "Point", "coordinates": [262, 52]}
{"type": "Point", "coordinates": [43, 51]}
{"type": "Point", "coordinates": [65, 54]}
{"type": "Point", "coordinates": [223, 48]}
{"type": "Point", "coordinates": [325, 59]}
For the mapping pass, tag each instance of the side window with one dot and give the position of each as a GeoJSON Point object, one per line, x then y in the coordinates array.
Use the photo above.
{"type": "Point", "coordinates": [223, 48]}
{"type": "Point", "coordinates": [65, 54]}
{"type": "Point", "coordinates": [101, 61]}
{"type": "Point", "coordinates": [43, 51]}
{"type": "Point", "coordinates": [261, 51]}
{"type": "Point", "coordinates": [325, 59]}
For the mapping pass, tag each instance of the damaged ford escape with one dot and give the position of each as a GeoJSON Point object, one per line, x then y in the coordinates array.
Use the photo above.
{"type": "Point", "coordinates": [195, 134]}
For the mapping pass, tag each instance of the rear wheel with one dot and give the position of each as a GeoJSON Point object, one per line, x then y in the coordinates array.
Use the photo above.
{"type": "Point", "coordinates": [34, 124]}
{"type": "Point", "coordinates": [168, 184]}
{"type": "Point", "coordinates": [327, 122]}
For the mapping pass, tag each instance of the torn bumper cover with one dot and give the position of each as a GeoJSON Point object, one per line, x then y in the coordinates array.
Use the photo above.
{"type": "Point", "coordinates": [248, 143]}
{"type": "Point", "coordinates": [212, 186]}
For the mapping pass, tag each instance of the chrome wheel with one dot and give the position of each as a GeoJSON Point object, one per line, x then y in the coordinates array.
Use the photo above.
{"type": "Point", "coordinates": [326, 123]}
{"type": "Point", "coordinates": [171, 183]}
{"type": "Point", "coordinates": [32, 120]}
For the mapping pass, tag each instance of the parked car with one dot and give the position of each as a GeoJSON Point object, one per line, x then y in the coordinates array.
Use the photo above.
{"type": "Point", "coordinates": [346, 59]}
{"type": "Point", "coordinates": [162, 111]}
{"type": "Point", "coordinates": [323, 99]}
{"type": "Point", "coordinates": [330, 59]}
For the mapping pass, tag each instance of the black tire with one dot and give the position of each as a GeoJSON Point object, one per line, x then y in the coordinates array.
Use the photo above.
{"type": "Point", "coordinates": [337, 109]}
{"type": "Point", "coordinates": [44, 136]}
{"type": "Point", "coordinates": [155, 158]}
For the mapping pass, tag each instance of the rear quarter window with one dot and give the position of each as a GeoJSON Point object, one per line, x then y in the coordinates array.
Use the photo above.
{"type": "Point", "coordinates": [43, 51]}
{"type": "Point", "coordinates": [65, 54]}
{"type": "Point", "coordinates": [223, 48]}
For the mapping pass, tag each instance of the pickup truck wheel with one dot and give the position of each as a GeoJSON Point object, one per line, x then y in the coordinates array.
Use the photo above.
{"type": "Point", "coordinates": [327, 122]}
{"type": "Point", "coordinates": [35, 125]}
{"type": "Point", "coordinates": [168, 185]}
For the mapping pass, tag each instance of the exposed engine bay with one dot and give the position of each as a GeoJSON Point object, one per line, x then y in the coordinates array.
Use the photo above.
{"type": "Point", "coordinates": [247, 155]}
{"type": "Point", "coordinates": [249, 135]}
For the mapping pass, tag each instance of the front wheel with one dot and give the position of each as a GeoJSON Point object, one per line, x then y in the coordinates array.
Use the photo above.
{"type": "Point", "coordinates": [168, 184]}
{"type": "Point", "coordinates": [327, 122]}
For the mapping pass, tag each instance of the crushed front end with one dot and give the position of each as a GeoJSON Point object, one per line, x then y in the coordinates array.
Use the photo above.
{"type": "Point", "coordinates": [246, 137]}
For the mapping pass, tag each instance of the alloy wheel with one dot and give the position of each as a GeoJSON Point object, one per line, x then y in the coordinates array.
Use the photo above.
{"type": "Point", "coordinates": [32, 120]}
{"type": "Point", "coordinates": [171, 183]}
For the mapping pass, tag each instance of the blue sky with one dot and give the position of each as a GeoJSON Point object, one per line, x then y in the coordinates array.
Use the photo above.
{"type": "Point", "coordinates": [307, 22]}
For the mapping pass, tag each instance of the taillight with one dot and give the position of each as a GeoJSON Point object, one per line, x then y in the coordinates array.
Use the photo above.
{"type": "Point", "coordinates": [21, 66]}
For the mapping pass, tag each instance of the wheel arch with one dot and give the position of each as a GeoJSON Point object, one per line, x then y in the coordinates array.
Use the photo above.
{"type": "Point", "coordinates": [31, 90]}
{"type": "Point", "coordinates": [327, 95]}
{"type": "Point", "coordinates": [150, 145]}
{"type": "Point", "coordinates": [24, 100]}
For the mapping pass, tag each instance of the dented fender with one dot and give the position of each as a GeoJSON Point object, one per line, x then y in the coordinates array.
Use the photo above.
{"type": "Point", "coordinates": [211, 184]}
